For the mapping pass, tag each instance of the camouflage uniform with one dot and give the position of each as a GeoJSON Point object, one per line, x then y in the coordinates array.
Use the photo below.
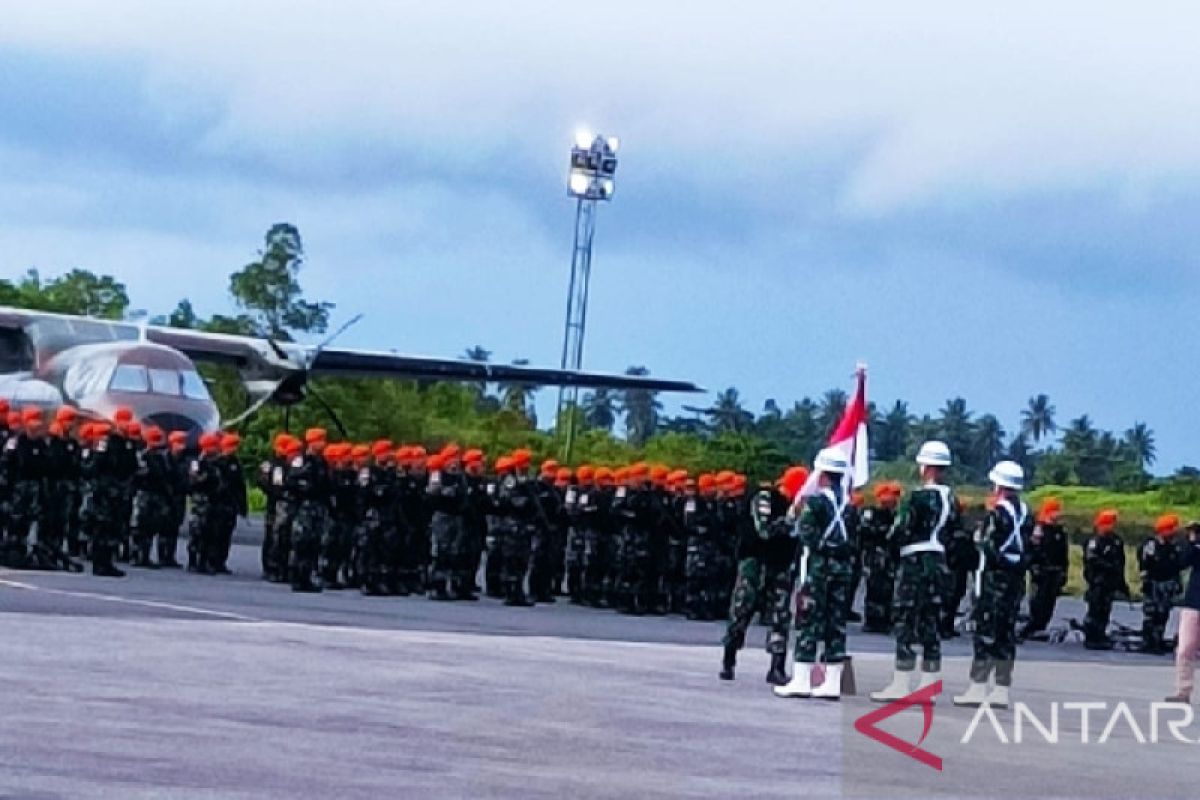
{"type": "Point", "coordinates": [348, 548]}
{"type": "Point", "coordinates": [927, 517]}
{"type": "Point", "coordinates": [549, 517]}
{"type": "Point", "coordinates": [379, 533]}
{"type": "Point", "coordinates": [308, 488]}
{"type": "Point", "coordinates": [60, 532]}
{"type": "Point", "coordinates": [125, 450]}
{"type": "Point", "coordinates": [515, 506]}
{"type": "Point", "coordinates": [1104, 571]}
{"type": "Point", "coordinates": [595, 520]}
{"type": "Point", "coordinates": [448, 495]}
{"type": "Point", "coordinates": [1048, 562]}
{"type": "Point", "coordinates": [151, 503]}
{"type": "Point", "coordinates": [1160, 562]}
{"type": "Point", "coordinates": [102, 505]}
{"type": "Point", "coordinates": [675, 563]}
{"type": "Point", "coordinates": [168, 540]}
{"type": "Point", "coordinates": [734, 525]}
{"type": "Point", "coordinates": [415, 547]}
{"type": "Point", "coordinates": [827, 533]}
{"type": "Point", "coordinates": [880, 568]}
{"type": "Point", "coordinates": [475, 532]}
{"type": "Point", "coordinates": [634, 594]}
{"type": "Point", "coordinates": [576, 541]}
{"type": "Point", "coordinates": [701, 522]}
{"type": "Point", "coordinates": [1004, 548]}
{"type": "Point", "coordinates": [204, 486]}
{"type": "Point", "coordinates": [493, 567]}
{"type": "Point", "coordinates": [270, 481]}
{"type": "Point", "coordinates": [231, 503]}
{"type": "Point", "coordinates": [766, 577]}
{"type": "Point", "coordinates": [26, 465]}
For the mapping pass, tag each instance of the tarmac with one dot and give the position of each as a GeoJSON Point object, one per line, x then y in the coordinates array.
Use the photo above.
{"type": "Point", "coordinates": [171, 685]}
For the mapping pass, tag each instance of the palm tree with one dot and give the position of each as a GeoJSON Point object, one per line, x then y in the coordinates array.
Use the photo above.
{"type": "Point", "coordinates": [518, 397]}
{"type": "Point", "coordinates": [833, 405]}
{"type": "Point", "coordinates": [480, 355]}
{"type": "Point", "coordinates": [988, 444]}
{"type": "Point", "coordinates": [1080, 436]}
{"type": "Point", "coordinates": [1037, 420]}
{"type": "Point", "coordinates": [727, 413]}
{"type": "Point", "coordinates": [600, 410]}
{"type": "Point", "coordinates": [642, 409]}
{"type": "Point", "coordinates": [1140, 441]}
{"type": "Point", "coordinates": [892, 441]}
{"type": "Point", "coordinates": [956, 426]}
{"type": "Point", "coordinates": [771, 410]}
{"type": "Point", "coordinates": [804, 435]}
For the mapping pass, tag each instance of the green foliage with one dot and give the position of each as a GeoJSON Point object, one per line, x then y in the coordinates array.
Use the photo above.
{"type": "Point", "coordinates": [77, 292]}
{"type": "Point", "coordinates": [269, 289]}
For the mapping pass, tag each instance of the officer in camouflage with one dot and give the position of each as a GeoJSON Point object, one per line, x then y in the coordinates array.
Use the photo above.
{"type": "Point", "coordinates": [928, 516]}
{"type": "Point", "coordinates": [103, 503]}
{"type": "Point", "coordinates": [231, 501]}
{"type": "Point", "coordinates": [152, 514]}
{"type": "Point", "coordinates": [1104, 572]}
{"type": "Point", "coordinates": [878, 562]}
{"type": "Point", "coordinates": [766, 575]}
{"type": "Point", "coordinates": [829, 542]}
{"type": "Point", "coordinates": [308, 488]}
{"type": "Point", "coordinates": [1048, 561]}
{"type": "Point", "coordinates": [1004, 548]}
{"type": "Point", "coordinates": [25, 462]}
{"type": "Point", "coordinates": [1160, 562]}
{"type": "Point", "coordinates": [204, 487]}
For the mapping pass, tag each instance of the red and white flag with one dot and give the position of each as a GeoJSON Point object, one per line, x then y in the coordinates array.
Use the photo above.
{"type": "Point", "coordinates": [849, 438]}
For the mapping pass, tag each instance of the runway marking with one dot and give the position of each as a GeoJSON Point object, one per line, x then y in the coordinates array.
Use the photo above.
{"type": "Point", "coordinates": [132, 601]}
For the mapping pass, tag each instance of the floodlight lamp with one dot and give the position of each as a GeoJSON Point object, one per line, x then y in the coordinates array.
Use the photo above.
{"type": "Point", "coordinates": [614, 144]}
{"type": "Point", "coordinates": [584, 138]}
{"type": "Point", "coordinates": [578, 183]}
{"type": "Point", "coordinates": [607, 186]}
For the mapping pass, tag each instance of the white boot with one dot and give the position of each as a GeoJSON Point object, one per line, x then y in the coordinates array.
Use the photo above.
{"type": "Point", "coordinates": [831, 689]}
{"type": "Point", "coordinates": [898, 688]}
{"type": "Point", "coordinates": [998, 698]}
{"type": "Point", "coordinates": [800, 685]}
{"type": "Point", "coordinates": [974, 697]}
{"type": "Point", "coordinates": [929, 679]}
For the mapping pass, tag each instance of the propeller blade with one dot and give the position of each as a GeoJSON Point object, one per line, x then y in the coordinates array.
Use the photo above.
{"type": "Point", "coordinates": [315, 395]}
{"type": "Point", "coordinates": [249, 412]}
{"type": "Point", "coordinates": [344, 327]}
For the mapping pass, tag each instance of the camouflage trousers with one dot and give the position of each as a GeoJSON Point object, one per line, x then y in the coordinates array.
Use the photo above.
{"type": "Point", "coordinates": [1158, 598]}
{"type": "Point", "coordinates": [1047, 583]}
{"type": "Point", "coordinates": [449, 552]}
{"type": "Point", "coordinates": [921, 582]}
{"type": "Point", "coordinates": [675, 577]}
{"type": "Point", "coordinates": [881, 587]}
{"type": "Point", "coordinates": [760, 585]}
{"type": "Point", "coordinates": [341, 537]}
{"type": "Point", "coordinates": [576, 545]}
{"type": "Point", "coordinates": [151, 518]}
{"type": "Point", "coordinates": [376, 553]}
{"type": "Point", "coordinates": [824, 621]}
{"type": "Point", "coordinates": [25, 508]}
{"type": "Point", "coordinates": [516, 546]}
{"type": "Point", "coordinates": [1099, 601]}
{"type": "Point", "coordinates": [996, 626]}
{"type": "Point", "coordinates": [597, 565]}
{"type": "Point", "coordinates": [308, 531]}
{"type": "Point", "coordinates": [699, 600]}
{"type": "Point", "coordinates": [545, 556]}
{"type": "Point", "coordinates": [635, 592]}
{"type": "Point", "coordinates": [202, 535]}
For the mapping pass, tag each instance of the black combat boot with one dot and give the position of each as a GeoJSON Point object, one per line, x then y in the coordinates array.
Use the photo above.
{"type": "Point", "coordinates": [102, 563]}
{"type": "Point", "coordinates": [728, 662]}
{"type": "Point", "coordinates": [778, 676]}
{"type": "Point", "coordinates": [166, 553]}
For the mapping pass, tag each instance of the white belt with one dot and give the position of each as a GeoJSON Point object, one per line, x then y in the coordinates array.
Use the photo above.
{"type": "Point", "coordinates": [922, 547]}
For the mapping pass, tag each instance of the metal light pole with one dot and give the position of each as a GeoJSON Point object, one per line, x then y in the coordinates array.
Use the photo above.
{"type": "Point", "coordinates": [593, 165]}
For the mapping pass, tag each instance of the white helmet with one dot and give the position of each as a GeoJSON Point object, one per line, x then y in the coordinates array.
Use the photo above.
{"type": "Point", "coordinates": [934, 454]}
{"type": "Point", "coordinates": [831, 460]}
{"type": "Point", "coordinates": [1009, 475]}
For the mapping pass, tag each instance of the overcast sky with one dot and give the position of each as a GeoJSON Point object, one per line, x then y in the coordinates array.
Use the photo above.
{"type": "Point", "coordinates": [985, 203]}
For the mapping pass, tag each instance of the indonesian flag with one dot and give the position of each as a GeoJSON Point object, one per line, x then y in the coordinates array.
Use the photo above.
{"type": "Point", "coordinates": [849, 438]}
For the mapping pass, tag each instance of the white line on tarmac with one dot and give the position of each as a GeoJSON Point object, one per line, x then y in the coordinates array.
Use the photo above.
{"type": "Point", "coordinates": [109, 598]}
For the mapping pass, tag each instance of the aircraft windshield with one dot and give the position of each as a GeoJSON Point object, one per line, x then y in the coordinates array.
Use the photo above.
{"type": "Point", "coordinates": [137, 379]}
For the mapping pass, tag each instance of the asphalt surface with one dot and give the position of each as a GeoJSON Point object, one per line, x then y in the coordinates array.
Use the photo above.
{"type": "Point", "coordinates": [171, 685]}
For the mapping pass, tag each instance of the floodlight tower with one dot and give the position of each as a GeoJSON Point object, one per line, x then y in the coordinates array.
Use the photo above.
{"type": "Point", "coordinates": [593, 165]}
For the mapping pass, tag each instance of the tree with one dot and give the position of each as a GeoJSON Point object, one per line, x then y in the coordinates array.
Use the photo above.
{"type": "Point", "coordinates": [727, 413]}
{"type": "Point", "coordinates": [518, 397]}
{"type": "Point", "coordinates": [829, 414]}
{"type": "Point", "coordinates": [77, 292]}
{"type": "Point", "coordinates": [1037, 420]}
{"type": "Point", "coordinates": [600, 409]}
{"type": "Point", "coordinates": [184, 316]}
{"type": "Point", "coordinates": [480, 355]}
{"type": "Point", "coordinates": [642, 409]}
{"type": "Point", "coordinates": [1140, 442]}
{"type": "Point", "coordinates": [269, 289]}
{"type": "Point", "coordinates": [891, 436]}
{"type": "Point", "coordinates": [957, 430]}
{"type": "Point", "coordinates": [988, 443]}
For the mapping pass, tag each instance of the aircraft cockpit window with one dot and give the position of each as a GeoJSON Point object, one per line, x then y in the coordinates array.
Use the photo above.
{"type": "Point", "coordinates": [193, 385]}
{"type": "Point", "coordinates": [164, 381]}
{"type": "Point", "coordinates": [129, 378]}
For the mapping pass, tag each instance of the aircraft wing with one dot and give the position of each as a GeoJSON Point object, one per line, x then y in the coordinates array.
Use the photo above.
{"type": "Point", "coordinates": [362, 363]}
